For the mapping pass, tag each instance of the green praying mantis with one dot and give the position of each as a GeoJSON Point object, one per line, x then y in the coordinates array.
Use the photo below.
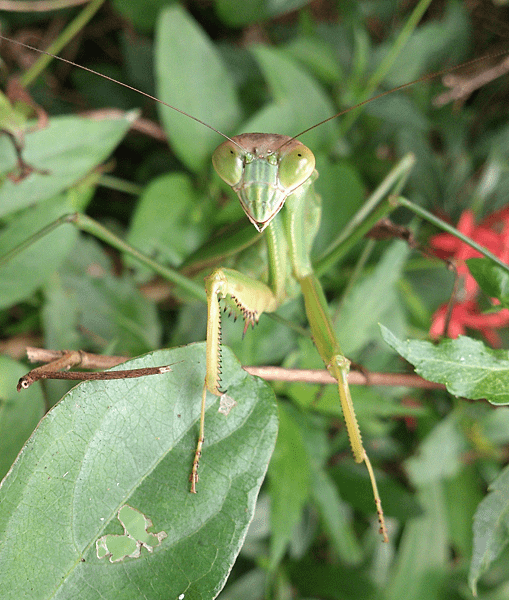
{"type": "Point", "coordinates": [273, 177]}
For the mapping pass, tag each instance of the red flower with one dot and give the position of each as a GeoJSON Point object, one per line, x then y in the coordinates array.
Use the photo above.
{"type": "Point", "coordinates": [493, 234]}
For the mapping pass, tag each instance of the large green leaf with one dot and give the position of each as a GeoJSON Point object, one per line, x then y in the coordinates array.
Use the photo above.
{"type": "Point", "coordinates": [185, 58]}
{"type": "Point", "coordinates": [492, 279]}
{"type": "Point", "coordinates": [26, 271]}
{"type": "Point", "coordinates": [67, 149]}
{"type": "Point", "coordinates": [491, 528]}
{"type": "Point", "coordinates": [108, 445]}
{"type": "Point", "coordinates": [467, 367]}
{"type": "Point", "coordinates": [19, 413]}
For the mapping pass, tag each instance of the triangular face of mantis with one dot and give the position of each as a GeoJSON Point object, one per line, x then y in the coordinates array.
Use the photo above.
{"type": "Point", "coordinates": [263, 169]}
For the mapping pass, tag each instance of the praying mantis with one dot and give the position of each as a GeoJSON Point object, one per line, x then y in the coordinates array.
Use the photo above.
{"type": "Point", "coordinates": [286, 210]}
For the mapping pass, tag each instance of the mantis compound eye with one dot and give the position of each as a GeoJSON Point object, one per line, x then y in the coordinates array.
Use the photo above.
{"type": "Point", "coordinates": [228, 162]}
{"type": "Point", "coordinates": [296, 166]}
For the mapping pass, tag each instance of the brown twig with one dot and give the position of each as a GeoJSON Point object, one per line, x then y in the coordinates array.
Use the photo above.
{"type": "Point", "coordinates": [60, 359]}
{"type": "Point", "coordinates": [461, 87]}
{"type": "Point", "coordinates": [141, 125]}
{"type": "Point", "coordinates": [320, 376]}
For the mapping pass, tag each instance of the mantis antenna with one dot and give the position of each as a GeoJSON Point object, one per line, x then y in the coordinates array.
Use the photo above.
{"type": "Point", "coordinates": [182, 112]}
{"type": "Point", "coordinates": [112, 79]}
{"type": "Point", "coordinates": [397, 88]}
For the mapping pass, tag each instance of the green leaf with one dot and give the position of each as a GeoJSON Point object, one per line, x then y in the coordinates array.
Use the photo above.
{"type": "Point", "coordinates": [26, 271]}
{"type": "Point", "coordinates": [355, 488]}
{"type": "Point", "coordinates": [398, 111]}
{"type": "Point", "coordinates": [131, 442]}
{"type": "Point", "coordinates": [299, 100]}
{"type": "Point", "coordinates": [185, 56]}
{"type": "Point", "coordinates": [109, 307]}
{"type": "Point", "coordinates": [467, 367]}
{"type": "Point", "coordinates": [250, 586]}
{"type": "Point", "coordinates": [317, 55]}
{"type": "Point", "coordinates": [339, 184]}
{"type": "Point", "coordinates": [336, 516]}
{"type": "Point", "coordinates": [167, 224]}
{"type": "Point", "coordinates": [236, 13]}
{"type": "Point", "coordinates": [68, 149]}
{"type": "Point", "coordinates": [492, 279]}
{"type": "Point", "coordinates": [19, 413]}
{"type": "Point", "coordinates": [463, 492]}
{"type": "Point", "coordinates": [370, 300]}
{"type": "Point", "coordinates": [421, 566]}
{"type": "Point", "coordinates": [491, 528]}
{"type": "Point", "coordinates": [440, 454]}
{"type": "Point", "coordinates": [289, 480]}
{"type": "Point", "coordinates": [141, 13]}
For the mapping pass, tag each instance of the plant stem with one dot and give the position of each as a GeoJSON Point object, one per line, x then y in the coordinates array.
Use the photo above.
{"type": "Point", "coordinates": [63, 39]}
{"type": "Point", "coordinates": [421, 212]}
{"type": "Point", "coordinates": [367, 216]}
{"type": "Point", "coordinates": [85, 223]}
{"type": "Point", "coordinates": [385, 66]}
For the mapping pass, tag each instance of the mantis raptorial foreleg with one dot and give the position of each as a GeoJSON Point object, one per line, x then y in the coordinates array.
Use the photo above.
{"type": "Point", "coordinates": [251, 298]}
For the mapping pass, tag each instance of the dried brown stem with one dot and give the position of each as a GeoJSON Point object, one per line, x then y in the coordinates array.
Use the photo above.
{"type": "Point", "coordinates": [461, 87]}
{"type": "Point", "coordinates": [57, 360]}
{"type": "Point", "coordinates": [320, 376]}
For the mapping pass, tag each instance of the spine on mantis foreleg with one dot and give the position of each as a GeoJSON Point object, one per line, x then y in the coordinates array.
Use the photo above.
{"type": "Point", "coordinates": [328, 347]}
{"type": "Point", "coordinates": [246, 295]}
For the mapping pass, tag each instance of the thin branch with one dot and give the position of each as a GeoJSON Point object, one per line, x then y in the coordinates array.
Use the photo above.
{"type": "Point", "coordinates": [58, 360]}
{"type": "Point", "coordinates": [461, 87]}
{"type": "Point", "coordinates": [141, 125]}
{"type": "Point", "coordinates": [86, 360]}
{"type": "Point", "coordinates": [320, 376]}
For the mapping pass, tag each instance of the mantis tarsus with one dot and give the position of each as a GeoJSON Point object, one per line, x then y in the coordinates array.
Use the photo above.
{"type": "Point", "coordinates": [290, 235]}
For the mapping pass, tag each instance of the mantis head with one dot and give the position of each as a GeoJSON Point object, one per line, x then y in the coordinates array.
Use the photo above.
{"type": "Point", "coordinates": [263, 170]}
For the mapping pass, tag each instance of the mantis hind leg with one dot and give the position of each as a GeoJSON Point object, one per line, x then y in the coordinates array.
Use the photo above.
{"type": "Point", "coordinates": [338, 366]}
{"type": "Point", "coordinates": [245, 296]}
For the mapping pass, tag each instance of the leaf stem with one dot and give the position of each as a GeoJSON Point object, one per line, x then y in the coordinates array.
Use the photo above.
{"type": "Point", "coordinates": [385, 66]}
{"type": "Point", "coordinates": [421, 212]}
{"type": "Point", "coordinates": [63, 39]}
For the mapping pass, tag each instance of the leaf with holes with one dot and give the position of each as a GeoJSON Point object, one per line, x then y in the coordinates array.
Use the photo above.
{"type": "Point", "coordinates": [108, 445]}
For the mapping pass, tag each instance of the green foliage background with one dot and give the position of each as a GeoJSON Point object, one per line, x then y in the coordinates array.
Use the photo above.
{"type": "Point", "coordinates": [276, 67]}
